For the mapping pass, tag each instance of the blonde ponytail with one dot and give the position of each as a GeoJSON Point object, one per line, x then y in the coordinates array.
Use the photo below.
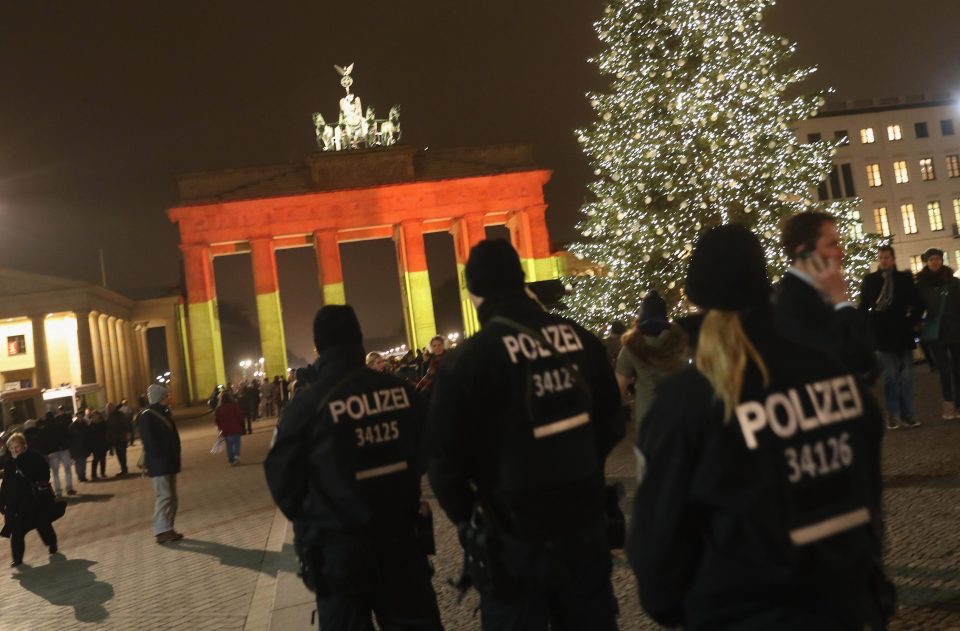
{"type": "Point", "coordinates": [722, 352]}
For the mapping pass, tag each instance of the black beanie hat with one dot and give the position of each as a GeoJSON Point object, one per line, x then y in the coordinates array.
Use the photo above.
{"type": "Point", "coordinates": [494, 269]}
{"type": "Point", "coordinates": [336, 325]}
{"type": "Point", "coordinates": [728, 270]}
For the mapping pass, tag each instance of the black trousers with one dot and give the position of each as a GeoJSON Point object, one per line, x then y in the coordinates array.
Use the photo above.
{"type": "Point", "coordinates": [359, 580]}
{"type": "Point", "coordinates": [120, 449]}
{"type": "Point", "coordinates": [99, 459]}
{"type": "Point", "coordinates": [18, 546]}
{"type": "Point", "coordinates": [947, 358]}
{"type": "Point", "coordinates": [563, 586]}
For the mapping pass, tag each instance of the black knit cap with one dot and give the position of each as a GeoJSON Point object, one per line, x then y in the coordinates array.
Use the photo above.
{"type": "Point", "coordinates": [336, 325]}
{"type": "Point", "coordinates": [494, 269]}
{"type": "Point", "coordinates": [728, 270]}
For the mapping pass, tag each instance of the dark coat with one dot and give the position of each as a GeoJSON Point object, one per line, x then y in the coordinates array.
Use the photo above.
{"type": "Point", "coordinates": [495, 395]}
{"type": "Point", "coordinates": [941, 298]}
{"type": "Point", "coordinates": [161, 441]}
{"type": "Point", "coordinates": [78, 439]}
{"type": "Point", "coordinates": [805, 318]}
{"type": "Point", "coordinates": [96, 437]}
{"type": "Point", "coordinates": [893, 328]}
{"type": "Point", "coordinates": [23, 507]}
{"type": "Point", "coordinates": [732, 523]}
{"type": "Point", "coordinates": [119, 428]}
{"type": "Point", "coordinates": [60, 431]}
{"type": "Point", "coordinates": [322, 469]}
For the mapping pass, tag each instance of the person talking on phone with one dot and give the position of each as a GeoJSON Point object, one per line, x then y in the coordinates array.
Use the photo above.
{"type": "Point", "coordinates": [812, 304]}
{"type": "Point", "coordinates": [759, 504]}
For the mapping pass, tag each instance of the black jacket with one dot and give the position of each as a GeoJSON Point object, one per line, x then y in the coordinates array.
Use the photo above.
{"type": "Point", "coordinates": [351, 466]}
{"type": "Point", "coordinates": [22, 507]}
{"type": "Point", "coordinates": [60, 431]}
{"type": "Point", "coordinates": [941, 300]}
{"type": "Point", "coordinates": [804, 317]}
{"type": "Point", "coordinates": [732, 521]}
{"type": "Point", "coordinates": [893, 328]}
{"type": "Point", "coordinates": [119, 428]}
{"type": "Point", "coordinates": [510, 426]}
{"type": "Point", "coordinates": [161, 441]}
{"type": "Point", "coordinates": [96, 437]}
{"type": "Point", "coordinates": [78, 439]}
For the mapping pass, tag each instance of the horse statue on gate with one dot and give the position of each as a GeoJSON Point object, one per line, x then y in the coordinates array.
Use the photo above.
{"type": "Point", "coordinates": [355, 128]}
{"type": "Point", "coordinates": [389, 133]}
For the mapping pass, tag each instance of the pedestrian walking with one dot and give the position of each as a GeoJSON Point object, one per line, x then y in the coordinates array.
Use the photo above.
{"type": "Point", "coordinates": [523, 416]}
{"type": "Point", "coordinates": [229, 419]}
{"type": "Point", "coordinates": [940, 329]}
{"type": "Point", "coordinates": [96, 437]}
{"type": "Point", "coordinates": [894, 308]}
{"type": "Point", "coordinates": [161, 449]}
{"type": "Point", "coordinates": [78, 445]}
{"type": "Point", "coordinates": [760, 502]}
{"type": "Point", "coordinates": [26, 500]}
{"type": "Point", "coordinates": [58, 429]}
{"type": "Point", "coordinates": [652, 350]}
{"type": "Point", "coordinates": [346, 469]}
{"type": "Point", "coordinates": [119, 435]}
{"type": "Point", "coordinates": [812, 302]}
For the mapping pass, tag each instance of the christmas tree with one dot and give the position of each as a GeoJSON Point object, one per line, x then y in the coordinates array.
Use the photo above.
{"type": "Point", "coordinates": [694, 131]}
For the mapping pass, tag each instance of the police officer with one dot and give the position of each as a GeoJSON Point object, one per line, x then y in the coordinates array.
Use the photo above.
{"type": "Point", "coordinates": [345, 470]}
{"type": "Point", "coordinates": [523, 416]}
{"type": "Point", "coordinates": [760, 503]}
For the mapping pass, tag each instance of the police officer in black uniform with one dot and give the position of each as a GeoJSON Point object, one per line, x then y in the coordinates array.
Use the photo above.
{"type": "Point", "coordinates": [523, 416]}
{"type": "Point", "coordinates": [345, 469]}
{"type": "Point", "coordinates": [760, 503]}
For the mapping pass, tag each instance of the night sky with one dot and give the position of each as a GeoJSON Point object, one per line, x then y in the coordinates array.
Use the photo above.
{"type": "Point", "coordinates": [101, 107]}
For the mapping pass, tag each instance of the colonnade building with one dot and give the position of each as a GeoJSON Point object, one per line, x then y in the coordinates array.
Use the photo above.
{"type": "Point", "coordinates": [400, 193]}
{"type": "Point", "coordinates": [901, 157]}
{"type": "Point", "coordinates": [58, 331]}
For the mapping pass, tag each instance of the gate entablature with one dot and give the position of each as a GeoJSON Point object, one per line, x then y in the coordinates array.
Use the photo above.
{"type": "Point", "coordinates": [340, 197]}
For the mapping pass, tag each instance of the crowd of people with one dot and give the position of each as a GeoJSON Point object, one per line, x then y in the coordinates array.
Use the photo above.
{"type": "Point", "coordinates": [756, 433]}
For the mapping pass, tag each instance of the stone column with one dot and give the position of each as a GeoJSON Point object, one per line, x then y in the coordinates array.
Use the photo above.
{"type": "Point", "coordinates": [123, 354]}
{"type": "Point", "coordinates": [117, 382]}
{"type": "Point", "coordinates": [175, 359]}
{"type": "Point", "coordinates": [133, 361]}
{"type": "Point", "coordinates": [205, 342]}
{"type": "Point", "coordinates": [328, 268]}
{"type": "Point", "coordinates": [41, 362]}
{"type": "Point", "coordinates": [93, 326]}
{"type": "Point", "coordinates": [415, 290]}
{"type": "Point", "coordinates": [529, 235]}
{"type": "Point", "coordinates": [467, 232]}
{"type": "Point", "coordinates": [273, 344]}
{"type": "Point", "coordinates": [103, 325]}
{"type": "Point", "coordinates": [141, 335]}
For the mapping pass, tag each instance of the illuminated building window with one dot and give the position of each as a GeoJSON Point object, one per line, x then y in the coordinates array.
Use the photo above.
{"type": "Point", "coordinates": [936, 217]}
{"type": "Point", "coordinates": [881, 221]}
{"type": "Point", "coordinates": [927, 173]}
{"type": "Point", "coordinates": [916, 264]}
{"type": "Point", "coordinates": [909, 219]}
{"type": "Point", "coordinates": [956, 210]}
{"type": "Point", "coordinates": [894, 133]}
{"type": "Point", "coordinates": [856, 224]}
{"type": "Point", "coordinates": [946, 257]}
{"type": "Point", "coordinates": [922, 130]}
{"type": "Point", "coordinates": [900, 173]}
{"type": "Point", "coordinates": [953, 166]}
{"type": "Point", "coordinates": [866, 136]}
{"type": "Point", "coordinates": [946, 127]}
{"type": "Point", "coordinates": [873, 175]}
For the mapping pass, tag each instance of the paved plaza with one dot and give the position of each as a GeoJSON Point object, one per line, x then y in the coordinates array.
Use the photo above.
{"type": "Point", "coordinates": [235, 567]}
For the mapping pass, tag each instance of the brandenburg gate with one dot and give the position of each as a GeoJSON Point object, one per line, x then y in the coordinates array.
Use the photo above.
{"type": "Point", "coordinates": [334, 197]}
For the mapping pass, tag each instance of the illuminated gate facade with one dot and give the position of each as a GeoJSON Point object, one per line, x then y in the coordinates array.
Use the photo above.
{"type": "Point", "coordinates": [398, 193]}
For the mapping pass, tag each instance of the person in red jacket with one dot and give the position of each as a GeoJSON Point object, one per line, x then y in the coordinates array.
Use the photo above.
{"type": "Point", "coordinates": [229, 417]}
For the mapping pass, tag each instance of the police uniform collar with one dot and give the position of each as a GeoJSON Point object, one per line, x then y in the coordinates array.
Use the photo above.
{"type": "Point", "coordinates": [340, 358]}
{"type": "Point", "coordinates": [513, 304]}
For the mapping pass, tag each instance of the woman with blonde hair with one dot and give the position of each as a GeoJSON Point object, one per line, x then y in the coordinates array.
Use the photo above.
{"type": "Point", "coordinates": [26, 499]}
{"type": "Point", "coordinates": [759, 505]}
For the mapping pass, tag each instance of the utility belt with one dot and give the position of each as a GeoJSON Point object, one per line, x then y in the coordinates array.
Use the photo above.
{"type": "Point", "coordinates": [485, 542]}
{"type": "Point", "coordinates": [350, 563]}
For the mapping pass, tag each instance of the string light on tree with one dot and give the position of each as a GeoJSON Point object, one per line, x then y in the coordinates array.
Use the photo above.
{"type": "Point", "coordinates": [692, 132]}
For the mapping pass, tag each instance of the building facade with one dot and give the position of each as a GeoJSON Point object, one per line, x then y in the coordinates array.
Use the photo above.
{"type": "Point", "coordinates": [400, 193]}
{"type": "Point", "coordinates": [902, 159]}
{"type": "Point", "coordinates": [58, 331]}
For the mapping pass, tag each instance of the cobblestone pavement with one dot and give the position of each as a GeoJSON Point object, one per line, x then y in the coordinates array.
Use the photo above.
{"type": "Point", "coordinates": [234, 569]}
